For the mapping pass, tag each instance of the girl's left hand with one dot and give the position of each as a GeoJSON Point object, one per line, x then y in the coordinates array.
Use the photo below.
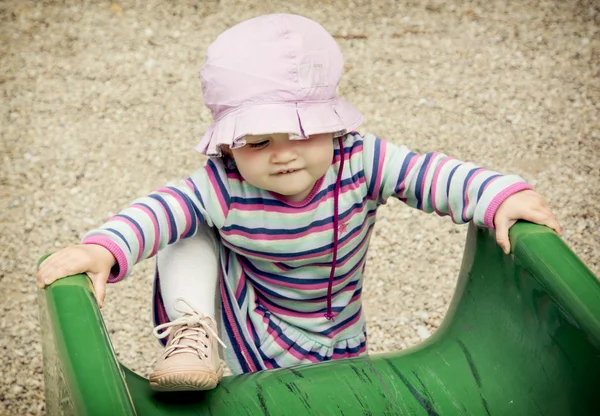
{"type": "Point", "coordinates": [524, 205]}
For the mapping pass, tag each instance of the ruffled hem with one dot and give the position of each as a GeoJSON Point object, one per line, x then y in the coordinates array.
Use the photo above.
{"type": "Point", "coordinates": [300, 120]}
{"type": "Point", "coordinates": [283, 345]}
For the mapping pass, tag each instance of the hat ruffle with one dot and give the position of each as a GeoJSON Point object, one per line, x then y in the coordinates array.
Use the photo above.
{"type": "Point", "coordinates": [299, 119]}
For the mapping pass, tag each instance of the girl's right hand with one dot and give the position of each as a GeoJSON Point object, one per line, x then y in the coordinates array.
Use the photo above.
{"type": "Point", "coordinates": [92, 259]}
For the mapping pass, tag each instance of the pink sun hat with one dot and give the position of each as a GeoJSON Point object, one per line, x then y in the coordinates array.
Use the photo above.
{"type": "Point", "coordinates": [276, 73]}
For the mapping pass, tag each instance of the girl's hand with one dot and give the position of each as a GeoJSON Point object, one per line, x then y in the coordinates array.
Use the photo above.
{"type": "Point", "coordinates": [92, 259]}
{"type": "Point", "coordinates": [524, 205]}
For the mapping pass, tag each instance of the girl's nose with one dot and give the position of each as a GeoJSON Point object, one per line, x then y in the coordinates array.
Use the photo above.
{"type": "Point", "coordinates": [283, 152]}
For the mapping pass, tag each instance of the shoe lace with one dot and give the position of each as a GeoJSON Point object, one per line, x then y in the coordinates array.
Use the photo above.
{"type": "Point", "coordinates": [191, 326]}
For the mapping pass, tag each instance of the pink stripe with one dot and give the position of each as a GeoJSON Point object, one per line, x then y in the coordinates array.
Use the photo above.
{"type": "Point", "coordinates": [299, 204]}
{"type": "Point", "coordinates": [232, 323]}
{"type": "Point", "coordinates": [346, 326]}
{"type": "Point", "coordinates": [116, 251]}
{"type": "Point", "coordinates": [431, 162]}
{"type": "Point", "coordinates": [303, 287]}
{"type": "Point", "coordinates": [348, 354]}
{"type": "Point", "coordinates": [350, 287]}
{"type": "Point", "coordinates": [355, 251]}
{"type": "Point", "coordinates": [379, 168]}
{"type": "Point", "coordinates": [490, 213]}
{"type": "Point", "coordinates": [435, 183]}
{"type": "Point", "coordinates": [184, 208]}
{"type": "Point", "coordinates": [348, 155]}
{"type": "Point", "coordinates": [293, 209]}
{"type": "Point", "coordinates": [155, 235]}
{"type": "Point", "coordinates": [217, 189]}
{"type": "Point", "coordinates": [137, 233]}
{"type": "Point", "coordinates": [240, 285]}
{"type": "Point", "coordinates": [304, 256]}
{"type": "Point", "coordinates": [249, 327]}
{"type": "Point", "coordinates": [285, 346]}
{"type": "Point", "coordinates": [282, 267]}
{"type": "Point", "coordinates": [272, 237]}
{"type": "Point", "coordinates": [409, 168]}
{"type": "Point", "coordinates": [166, 211]}
{"type": "Point", "coordinates": [234, 174]}
{"type": "Point", "coordinates": [466, 195]}
{"type": "Point", "coordinates": [307, 315]}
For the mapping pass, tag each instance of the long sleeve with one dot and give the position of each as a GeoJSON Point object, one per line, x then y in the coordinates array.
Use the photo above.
{"type": "Point", "coordinates": [166, 215]}
{"type": "Point", "coordinates": [434, 182]}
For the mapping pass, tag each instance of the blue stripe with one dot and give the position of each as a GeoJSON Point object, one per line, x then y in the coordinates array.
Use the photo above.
{"type": "Point", "coordinates": [464, 193]}
{"type": "Point", "coordinates": [254, 335]}
{"type": "Point", "coordinates": [249, 349]}
{"type": "Point", "coordinates": [149, 209]}
{"type": "Point", "coordinates": [210, 165]}
{"type": "Point", "coordinates": [344, 322]}
{"type": "Point", "coordinates": [273, 202]}
{"type": "Point", "coordinates": [352, 350]}
{"type": "Point", "coordinates": [293, 231]}
{"type": "Point", "coordinates": [136, 225]}
{"type": "Point", "coordinates": [347, 149]}
{"type": "Point", "coordinates": [240, 299]}
{"type": "Point", "coordinates": [420, 178]}
{"type": "Point", "coordinates": [351, 253]}
{"type": "Point", "coordinates": [237, 351]}
{"type": "Point", "coordinates": [192, 210]}
{"type": "Point", "coordinates": [376, 167]}
{"type": "Point", "coordinates": [483, 185]}
{"type": "Point", "coordinates": [450, 179]}
{"type": "Point", "coordinates": [112, 230]}
{"type": "Point", "coordinates": [297, 255]}
{"type": "Point", "coordinates": [170, 217]}
{"type": "Point", "coordinates": [276, 295]}
{"type": "Point", "coordinates": [402, 175]}
{"type": "Point", "coordinates": [231, 335]}
{"type": "Point", "coordinates": [292, 344]}
{"type": "Point", "coordinates": [268, 302]}
{"type": "Point", "coordinates": [260, 274]}
{"type": "Point", "coordinates": [197, 194]}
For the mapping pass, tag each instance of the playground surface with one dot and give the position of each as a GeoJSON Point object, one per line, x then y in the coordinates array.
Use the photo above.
{"type": "Point", "coordinates": [102, 103]}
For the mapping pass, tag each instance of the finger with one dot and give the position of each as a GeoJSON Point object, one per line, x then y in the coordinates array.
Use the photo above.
{"type": "Point", "coordinates": [58, 271]}
{"type": "Point", "coordinates": [550, 221]}
{"type": "Point", "coordinates": [44, 268]}
{"type": "Point", "coordinates": [502, 236]}
{"type": "Point", "coordinates": [99, 285]}
{"type": "Point", "coordinates": [547, 218]}
{"type": "Point", "coordinates": [47, 269]}
{"type": "Point", "coordinates": [61, 265]}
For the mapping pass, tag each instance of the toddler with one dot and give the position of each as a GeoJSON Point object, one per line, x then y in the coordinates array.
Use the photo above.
{"type": "Point", "coordinates": [269, 239]}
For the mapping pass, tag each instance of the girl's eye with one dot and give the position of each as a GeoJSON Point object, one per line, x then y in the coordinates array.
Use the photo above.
{"type": "Point", "coordinates": [258, 145]}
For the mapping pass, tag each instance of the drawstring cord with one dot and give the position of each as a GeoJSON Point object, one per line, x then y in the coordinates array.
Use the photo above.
{"type": "Point", "coordinates": [336, 195]}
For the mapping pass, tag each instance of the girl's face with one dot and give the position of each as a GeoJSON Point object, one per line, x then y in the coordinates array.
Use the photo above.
{"type": "Point", "coordinates": [287, 167]}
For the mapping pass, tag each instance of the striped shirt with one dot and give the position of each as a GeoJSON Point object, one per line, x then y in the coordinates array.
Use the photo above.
{"type": "Point", "coordinates": [276, 256]}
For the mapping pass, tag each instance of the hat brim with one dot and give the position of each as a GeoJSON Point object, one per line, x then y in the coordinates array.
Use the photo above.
{"type": "Point", "coordinates": [301, 119]}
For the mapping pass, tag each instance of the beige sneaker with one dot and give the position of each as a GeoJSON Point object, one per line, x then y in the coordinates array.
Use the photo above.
{"type": "Point", "coordinates": [191, 358]}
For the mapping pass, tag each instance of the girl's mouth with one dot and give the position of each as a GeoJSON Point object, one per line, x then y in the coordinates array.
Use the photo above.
{"type": "Point", "coordinates": [285, 172]}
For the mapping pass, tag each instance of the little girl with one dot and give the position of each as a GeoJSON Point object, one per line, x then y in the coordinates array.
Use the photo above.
{"type": "Point", "coordinates": [279, 220]}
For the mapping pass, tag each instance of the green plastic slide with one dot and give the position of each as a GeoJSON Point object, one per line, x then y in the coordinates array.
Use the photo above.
{"type": "Point", "coordinates": [521, 337]}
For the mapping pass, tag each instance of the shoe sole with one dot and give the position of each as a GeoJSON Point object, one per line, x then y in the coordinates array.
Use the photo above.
{"type": "Point", "coordinates": [176, 380]}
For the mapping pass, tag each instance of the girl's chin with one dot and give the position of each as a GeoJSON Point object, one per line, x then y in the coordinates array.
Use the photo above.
{"type": "Point", "coordinates": [294, 196]}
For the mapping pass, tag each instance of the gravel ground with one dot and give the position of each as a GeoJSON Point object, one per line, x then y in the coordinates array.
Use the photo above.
{"type": "Point", "coordinates": [101, 103]}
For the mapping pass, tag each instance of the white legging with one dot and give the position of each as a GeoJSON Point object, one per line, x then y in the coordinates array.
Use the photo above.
{"type": "Point", "coordinates": [188, 269]}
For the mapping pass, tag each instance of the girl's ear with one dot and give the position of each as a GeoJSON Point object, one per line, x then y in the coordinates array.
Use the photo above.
{"type": "Point", "coordinates": [226, 150]}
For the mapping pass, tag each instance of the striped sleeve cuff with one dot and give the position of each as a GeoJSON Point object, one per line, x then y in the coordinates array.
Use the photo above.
{"type": "Point", "coordinates": [119, 270]}
{"type": "Point", "coordinates": [490, 213]}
